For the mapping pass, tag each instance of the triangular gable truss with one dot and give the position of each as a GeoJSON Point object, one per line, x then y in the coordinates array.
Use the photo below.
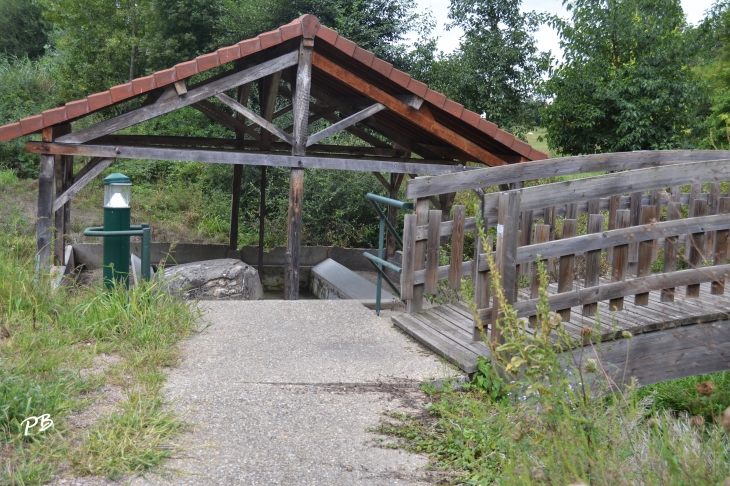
{"type": "Point", "coordinates": [331, 79]}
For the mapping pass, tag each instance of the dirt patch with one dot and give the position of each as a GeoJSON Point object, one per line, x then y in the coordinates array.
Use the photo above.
{"type": "Point", "coordinates": [87, 481]}
{"type": "Point", "coordinates": [103, 403]}
{"type": "Point", "coordinates": [101, 364]}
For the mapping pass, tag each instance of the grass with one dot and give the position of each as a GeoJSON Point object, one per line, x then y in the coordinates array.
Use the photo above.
{"type": "Point", "coordinates": [51, 345]}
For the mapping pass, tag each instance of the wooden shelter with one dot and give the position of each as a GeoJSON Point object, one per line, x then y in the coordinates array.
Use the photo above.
{"type": "Point", "coordinates": [323, 74]}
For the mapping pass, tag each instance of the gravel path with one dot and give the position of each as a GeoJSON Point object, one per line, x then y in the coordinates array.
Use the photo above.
{"type": "Point", "coordinates": [284, 393]}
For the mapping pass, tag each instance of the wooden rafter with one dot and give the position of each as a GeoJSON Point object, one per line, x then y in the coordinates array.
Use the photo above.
{"type": "Point", "coordinates": [219, 116]}
{"type": "Point", "coordinates": [344, 123]}
{"type": "Point", "coordinates": [257, 119]}
{"type": "Point", "coordinates": [417, 117]}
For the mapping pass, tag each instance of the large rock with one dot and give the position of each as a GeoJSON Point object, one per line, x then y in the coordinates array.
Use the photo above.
{"type": "Point", "coordinates": [224, 279]}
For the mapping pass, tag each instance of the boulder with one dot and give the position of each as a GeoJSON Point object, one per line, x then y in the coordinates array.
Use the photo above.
{"type": "Point", "coordinates": [224, 279]}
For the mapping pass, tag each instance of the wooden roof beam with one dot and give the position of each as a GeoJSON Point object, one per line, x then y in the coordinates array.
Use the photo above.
{"type": "Point", "coordinates": [344, 123]}
{"type": "Point", "coordinates": [219, 116]}
{"type": "Point", "coordinates": [257, 119]}
{"type": "Point", "coordinates": [417, 117]}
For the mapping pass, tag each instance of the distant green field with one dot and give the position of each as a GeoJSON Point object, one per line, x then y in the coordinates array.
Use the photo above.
{"type": "Point", "coordinates": [532, 139]}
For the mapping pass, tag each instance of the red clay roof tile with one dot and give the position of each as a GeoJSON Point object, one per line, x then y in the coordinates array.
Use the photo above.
{"type": "Point", "coordinates": [418, 88]}
{"type": "Point", "coordinates": [536, 154]}
{"type": "Point", "coordinates": [487, 127]}
{"type": "Point", "coordinates": [345, 45]}
{"type": "Point", "coordinates": [205, 62]}
{"type": "Point", "coordinates": [143, 85]}
{"type": "Point", "coordinates": [99, 100]}
{"type": "Point", "coordinates": [521, 147]}
{"type": "Point", "coordinates": [326, 34]}
{"type": "Point", "coordinates": [250, 46]}
{"type": "Point", "coordinates": [54, 116]}
{"type": "Point", "coordinates": [400, 77]}
{"type": "Point", "coordinates": [289, 31]}
{"type": "Point", "coordinates": [122, 92]}
{"type": "Point", "coordinates": [503, 137]}
{"type": "Point", "coordinates": [10, 131]}
{"type": "Point", "coordinates": [31, 124]}
{"type": "Point", "coordinates": [269, 39]}
{"type": "Point", "coordinates": [471, 118]}
{"type": "Point", "coordinates": [454, 108]}
{"type": "Point", "coordinates": [75, 109]}
{"type": "Point", "coordinates": [228, 54]}
{"type": "Point", "coordinates": [365, 57]}
{"type": "Point", "coordinates": [167, 76]}
{"type": "Point", "coordinates": [186, 69]}
{"type": "Point", "coordinates": [435, 98]}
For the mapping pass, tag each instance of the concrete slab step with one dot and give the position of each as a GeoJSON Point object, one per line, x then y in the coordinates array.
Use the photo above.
{"type": "Point", "coordinates": [329, 281]}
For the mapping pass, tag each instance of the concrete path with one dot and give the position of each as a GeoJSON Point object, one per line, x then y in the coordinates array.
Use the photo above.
{"type": "Point", "coordinates": [284, 393]}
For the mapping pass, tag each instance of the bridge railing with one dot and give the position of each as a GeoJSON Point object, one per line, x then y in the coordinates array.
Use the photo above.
{"type": "Point", "coordinates": [630, 216]}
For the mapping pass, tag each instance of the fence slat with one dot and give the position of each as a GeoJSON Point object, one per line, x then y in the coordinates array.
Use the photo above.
{"type": "Point", "coordinates": [566, 272]}
{"type": "Point", "coordinates": [635, 209]}
{"type": "Point", "coordinates": [507, 234]}
{"type": "Point", "coordinates": [713, 199]}
{"type": "Point", "coordinates": [695, 246]}
{"type": "Point", "coordinates": [614, 203]}
{"type": "Point", "coordinates": [542, 235]}
{"type": "Point", "coordinates": [620, 258]}
{"type": "Point", "coordinates": [457, 248]}
{"type": "Point", "coordinates": [646, 248]}
{"type": "Point", "coordinates": [593, 262]}
{"type": "Point", "coordinates": [656, 200]}
{"type": "Point", "coordinates": [407, 277]}
{"type": "Point", "coordinates": [482, 289]}
{"type": "Point", "coordinates": [721, 242]}
{"type": "Point", "coordinates": [433, 252]}
{"type": "Point", "coordinates": [674, 212]}
{"type": "Point", "coordinates": [419, 255]}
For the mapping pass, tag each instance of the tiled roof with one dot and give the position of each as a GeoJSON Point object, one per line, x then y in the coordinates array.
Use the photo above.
{"type": "Point", "coordinates": [307, 26]}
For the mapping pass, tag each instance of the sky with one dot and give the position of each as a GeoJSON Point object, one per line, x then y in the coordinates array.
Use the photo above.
{"type": "Point", "coordinates": [547, 38]}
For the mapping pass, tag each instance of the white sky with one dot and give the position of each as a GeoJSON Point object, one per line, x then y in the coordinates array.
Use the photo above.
{"type": "Point", "coordinates": [547, 38]}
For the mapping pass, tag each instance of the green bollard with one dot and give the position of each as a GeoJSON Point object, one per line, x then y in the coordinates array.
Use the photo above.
{"type": "Point", "coordinates": [117, 191]}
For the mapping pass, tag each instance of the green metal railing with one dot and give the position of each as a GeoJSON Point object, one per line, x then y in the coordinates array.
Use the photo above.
{"type": "Point", "coordinates": [379, 261]}
{"type": "Point", "coordinates": [141, 230]}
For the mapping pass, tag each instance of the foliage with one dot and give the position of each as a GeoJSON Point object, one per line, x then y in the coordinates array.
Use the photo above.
{"type": "Point", "coordinates": [626, 82]}
{"type": "Point", "coordinates": [25, 33]}
{"type": "Point", "coordinates": [499, 50]}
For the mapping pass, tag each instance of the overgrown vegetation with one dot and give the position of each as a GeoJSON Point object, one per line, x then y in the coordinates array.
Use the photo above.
{"type": "Point", "coordinates": [67, 353]}
{"type": "Point", "coordinates": [530, 417]}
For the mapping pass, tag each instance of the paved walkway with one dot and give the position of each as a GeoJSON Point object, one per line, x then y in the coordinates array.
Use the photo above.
{"type": "Point", "coordinates": [284, 393]}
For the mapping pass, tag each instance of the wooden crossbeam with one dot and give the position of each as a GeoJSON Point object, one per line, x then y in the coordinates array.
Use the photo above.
{"type": "Point", "coordinates": [219, 116]}
{"type": "Point", "coordinates": [92, 169]}
{"type": "Point", "coordinates": [344, 123]}
{"type": "Point", "coordinates": [414, 116]}
{"type": "Point", "coordinates": [243, 157]}
{"type": "Point", "coordinates": [163, 106]}
{"type": "Point", "coordinates": [257, 119]}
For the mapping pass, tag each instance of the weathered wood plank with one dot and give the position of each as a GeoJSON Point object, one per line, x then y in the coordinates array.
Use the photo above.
{"type": "Point", "coordinates": [646, 248]}
{"type": "Point", "coordinates": [620, 258]}
{"type": "Point", "coordinates": [344, 123]}
{"type": "Point", "coordinates": [457, 248]}
{"type": "Point", "coordinates": [44, 234]}
{"type": "Point", "coordinates": [507, 234]}
{"type": "Point", "coordinates": [674, 212]}
{"type": "Point", "coordinates": [566, 272]}
{"type": "Point", "coordinates": [696, 246]}
{"type": "Point", "coordinates": [432, 259]}
{"type": "Point", "coordinates": [720, 245]}
{"type": "Point", "coordinates": [582, 164]}
{"type": "Point", "coordinates": [409, 242]}
{"type": "Point", "coordinates": [254, 117]}
{"type": "Point", "coordinates": [542, 235]}
{"type": "Point", "coordinates": [193, 96]}
{"type": "Point", "coordinates": [419, 256]}
{"type": "Point", "coordinates": [593, 262]}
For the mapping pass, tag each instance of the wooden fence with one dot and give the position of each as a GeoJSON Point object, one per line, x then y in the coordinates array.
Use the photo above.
{"type": "Point", "coordinates": [630, 216]}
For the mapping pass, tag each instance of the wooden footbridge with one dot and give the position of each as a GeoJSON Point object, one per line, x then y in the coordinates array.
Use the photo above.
{"type": "Point", "coordinates": [642, 248]}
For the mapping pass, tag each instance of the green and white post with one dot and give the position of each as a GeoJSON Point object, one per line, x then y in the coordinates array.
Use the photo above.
{"type": "Point", "coordinates": [117, 192]}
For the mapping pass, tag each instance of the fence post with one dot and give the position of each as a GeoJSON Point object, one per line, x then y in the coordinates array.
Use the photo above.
{"type": "Point", "coordinates": [506, 254]}
{"type": "Point", "coordinates": [419, 254]}
{"type": "Point", "coordinates": [721, 241]}
{"type": "Point", "coordinates": [407, 277]}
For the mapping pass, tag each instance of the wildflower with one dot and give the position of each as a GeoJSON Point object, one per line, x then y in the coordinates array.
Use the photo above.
{"type": "Point", "coordinates": [626, 335]}
{"type": "Point", "coordinates": [697, 421]}
{"type": "Point", "coordinates": [591, 366]}
{"type": "Point", "coordinates": [705, 389]}
{"type": "Point", "coordinates": [726, 420]}
{"type": "Point", "coordinates": [586, 332]}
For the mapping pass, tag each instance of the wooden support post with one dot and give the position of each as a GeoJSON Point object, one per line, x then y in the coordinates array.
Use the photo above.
{"type": "Point", "coordinates": [457, 247]}
{"type": "Point", "coordinates": [432, 260]}
{"type": "Point", "coordinates": [526, 239]}
{"type": "Point", "coordinates": [646, 248]}
{"type": "Point", "coordinates": [614, 203]}
{"type": "Point", "coordinates": [593, 262]}
{"type": "Point", "coordinates": [44, 233]}
{"type": "Point", "coordinates": [419, 256]}
{"type": "Point", "coordinates": [695, 246]}
{"type": "Point", "coordinates": [655, 199]}
{"type": "Point", "coordinates": [542, 235]}
{"type": "Point", "coordinates": [296, 178]}
{"type": "Point", "coordinates": [506, 253]}
{"type": "Point", "coordinates": [235, 207]}
{"type": "Point", "coordinates": [262, 221]}
{"type": "Point", "coordinates": [482, 285]}
{"type": "Point", "coordinates": [566, 272]}
{"type": "Point", "coordinates": [63, 175]}
{"type": "Point", "coordinates": [409, 245]}
{"type": "Point", "coordinates": [635, 208]}
{"type": "Point", "coordinates": [620, 259]}
{"type": "Point", "coordinates": [674, 212]}
{"type": "Point", "coordinates": [721, 242]}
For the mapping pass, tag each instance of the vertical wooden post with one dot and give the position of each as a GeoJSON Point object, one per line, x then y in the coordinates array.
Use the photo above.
{"type": "Point", "coordinates": [571, 211]}
{"type": "Point", "coordinates": [620, 259]}
{"type": "Point", "coordinates": [63, 174]}
{"type": "Point", "coordinates": [434, 247]}
{"type": "Point", "coordinates": [262, 221]}
{"type": "Point", "coordinates": [235, 207]}
{"type": "Point", "coordinates": [457, 247]}
{"type": "Point", "coordinates": [635, 209]}
{"type": "Point", "coordinates": [392, 212]}
{"type": "Point", "coordinates": [674, 212]}
{"type": "Point", "coordinates": [614, 202]}
{"type": "Point", "coordinates": [506, 254]}
{"type": "Point", "coordinates": [419, 256]}
{"type": "Point", "coordinates": [526, 239]}
{"type": "Point", "coordinates": [482, 285]}
{"type": "Point", "coordinates": [45, 205]}
{"type": "Point", "coordinates": [713, 201]}
{"type": "Point", "coordinates": [407, 277]}
{"type": "Point", "coordinates": [695, 246]}
{"type": "Point", "coordinates": [549, 219]}
{"type": "Point", "coordinates": [566, 272]}
{"type": "Point", "coordinates": [646, 248]}
{"type": "Point", "coordinates": [656, 201]}
{"type": "Point", "coordinates": [542, 235]}
{"type": "Point", "coordinates": [593, 262]}
{"type": "Point", "coordinates": [720, 249]}
{"type": "Point", "coordinates": [296, 180]}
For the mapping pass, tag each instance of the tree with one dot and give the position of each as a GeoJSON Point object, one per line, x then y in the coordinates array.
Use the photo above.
{"type": "Point", "coordinates": [626, 82]}
{"type": "Point", "coordinates": [24, 30]}
{"type": "Point", "coordinates": [497, 67]}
